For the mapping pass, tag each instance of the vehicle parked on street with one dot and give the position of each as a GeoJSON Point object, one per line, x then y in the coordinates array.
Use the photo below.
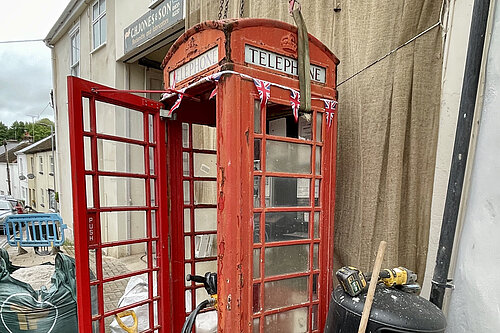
{"type": "Point", "coordinates": [6, 209]}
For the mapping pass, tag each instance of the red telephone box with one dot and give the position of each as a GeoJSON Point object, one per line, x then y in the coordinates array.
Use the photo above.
{"type": "Point", "coordinates": [241, 184]}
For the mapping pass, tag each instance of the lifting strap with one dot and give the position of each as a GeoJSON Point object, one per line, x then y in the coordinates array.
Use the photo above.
{"type": "Point", "coordinates": [302, 57]}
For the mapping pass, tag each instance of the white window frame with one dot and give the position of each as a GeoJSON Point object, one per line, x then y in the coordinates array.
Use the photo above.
{"type": "Point", "coordinates": [52, 166]}
{"type": "Point", "coordinates": [97, 22]}
{"type": "Point", "coordinates": [40, 158]}
{"type": "Point", "coordinates": [74, 65]}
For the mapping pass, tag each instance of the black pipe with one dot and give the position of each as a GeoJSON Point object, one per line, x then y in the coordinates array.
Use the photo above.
{"type": "Point", "coordinates": [460, 149]}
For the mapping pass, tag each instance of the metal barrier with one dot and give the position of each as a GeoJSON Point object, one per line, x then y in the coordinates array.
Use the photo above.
{"type": "Point", "coordinates": [35, 230]}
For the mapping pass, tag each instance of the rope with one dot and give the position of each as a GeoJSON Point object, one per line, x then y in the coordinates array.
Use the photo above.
{"type": "Point", "coordinates": [438, 23]}
{"type": "Point", "coordinates": [242, 7]}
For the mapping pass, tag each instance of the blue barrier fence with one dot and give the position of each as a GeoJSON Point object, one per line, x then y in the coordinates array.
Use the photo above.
{"type": "Point", "coordinates": [38, 229]}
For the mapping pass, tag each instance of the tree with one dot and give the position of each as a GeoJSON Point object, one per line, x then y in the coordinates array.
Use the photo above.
{"type": "Point", "coordinates": [4, 135]}
{"type": "Point", "coordinates": [40, 130]}
{"type": "Point", "coordinates": [17, 130]}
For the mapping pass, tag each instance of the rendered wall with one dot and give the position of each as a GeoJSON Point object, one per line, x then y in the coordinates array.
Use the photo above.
{"type": "Point", "coordinates": [475, 302]}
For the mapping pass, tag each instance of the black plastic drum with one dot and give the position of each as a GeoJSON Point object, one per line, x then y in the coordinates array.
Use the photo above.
{"type": "Point", "coordinates": [392, 311]}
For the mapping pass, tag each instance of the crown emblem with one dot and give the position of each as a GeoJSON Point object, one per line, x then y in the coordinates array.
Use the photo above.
{"type": "Point", "coordinates": [191, 46]}
{"type": "Point", "coordinates": [289, 43]}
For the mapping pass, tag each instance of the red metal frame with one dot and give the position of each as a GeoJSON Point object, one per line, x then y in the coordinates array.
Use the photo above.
{"type": "Point", "coordinates": [87, 229]}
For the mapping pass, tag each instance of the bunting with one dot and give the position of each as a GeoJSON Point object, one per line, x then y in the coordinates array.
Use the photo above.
{"type": "Point", "coordinates": [264, 89]}
{"type": "Point", "coordinates": [177, 102]}
{"type": "Point", "coordinates": [295, 103]}
{"type": "Point", "coordinates": [214, 77]}
{"type": "Point", "coordinates": [330, 108]}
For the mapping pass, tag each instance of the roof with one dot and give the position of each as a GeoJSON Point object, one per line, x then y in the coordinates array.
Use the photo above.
{"type": "Point", "coordinates": [65, 21]}
{"type": "Point", "coordinates": [40, 146]}
{"type": "Point", "coordinates": [12, 152]}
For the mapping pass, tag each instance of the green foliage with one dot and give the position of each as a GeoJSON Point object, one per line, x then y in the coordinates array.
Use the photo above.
{"type": "Point", "coordinates": [3, 132]}
{"type": "Point", "coordinates": [20, 130]}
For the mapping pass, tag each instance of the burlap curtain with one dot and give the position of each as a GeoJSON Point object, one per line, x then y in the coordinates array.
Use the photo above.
{"type": "Point", "coordinates": [388, 118]}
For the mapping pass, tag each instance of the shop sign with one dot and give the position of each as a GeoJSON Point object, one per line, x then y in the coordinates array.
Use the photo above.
{"type": "Point", "coordinates": [281, 63]}
{"type": "Point", "coordinates": [196, 65]}
{"type": "Point", "coordinates": [151, 24]}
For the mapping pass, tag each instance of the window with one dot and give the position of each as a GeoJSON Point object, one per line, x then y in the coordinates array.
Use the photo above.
{"type": "Point", "coordinates": [99, 23]}
{"type": "Point", "coordinates": [52, 199]}
{"type": "Point", "coordinates": [52, 165]}
{"type": "Point", "coordinates": [41, 165]}
{"type": "Point", "coordinates": [32, 164]}
{"type": "Point", "coordinates": [42, 198]}
{"type": "Point", "coordinates": [75, 51]}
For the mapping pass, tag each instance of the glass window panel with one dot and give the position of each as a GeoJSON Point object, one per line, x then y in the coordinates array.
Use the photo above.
{"type": "Point", "coordinates": [206, 266]}
{"type": "Point", "coordinates": [256, 298]}
{"type": "Point", "coordinates": [256, 228]}
{"type": "Point", "coordinates": [187, 270]}
{"type": "Point", "coordinates": [315, 287]}
{"type": "Point", "coordinates": [305, 126]}
{"type": "Point", "coordinates": [86, 114]}
{"type": "Point", "coordinates": [185, 185]}
{"type": "Point", "coordinates": [95, 11]}
{"type": "Point", "coordinates": [283, 226]}
{"type": "Point", "coordinates": [151, 160]}
{"type": "Point", "coordinates": [103, 23]}
{"type": "Point", "coordinates": [205, 192]}
{"type": "Point", "coordinates": [151, 128]}
{"type": "Point", "coordinates": [87, 150]}
{"type": "Point", "coordinates": [314, 317]}
{"type": "Point", "coordinates": [117, 120]}
{"type": "Point", "coordinates": [205, 165]}
{"type": "Point", "coordinates": [289, 321]}
{"type": "Point", "coordinates": [287, 192]}
{"type": "Point", "coordinates": [318, 160]}
{"type": "Point", "coordinates": [315, 256]}
{"type": "Point", "coordinates": [121, 191]}
{"type": "Point", "coordinates": [205, 246]}
{"type": "Point", "coordinates": [316, 224]}
{"type": "Point", "coordinates": [92, 265]}
{"type": "Point", "coordinates": [102, 6]}
{"type": "Point", "coordinates": [117, 156]}
{"type": "Point", "coordinates": [185, 135]}
{"type": "Point", "coordinates": [123, 259]}
{"type": "Point", "coordinates": [121, 226]}
{"type": "Point", "coordinates": [287, 292]}
{"type": "Point", "coordinates": [256, 325]}
{"type": "Point", "coordinates": [204, 137]}
{"type": "Point", "coordinates": [256, 116]}
{"type": "Point", "coordinates": [95, 29]}
{"type": "Point", "coordinates": [280, 121]}
{"type": "Point", "coordinates": [187, 247]}
{"type": "Point", "coordinates": [189, 301]}
{"type": "Point", "coordinates": [286, 259]}
{"type": "Point", "coordinates": [201, 295]}
{"type": "Point", "coordinates": [185, 164]}
{"type": "Point", "coordinates": [288, 157]}
{"type": "Point", "coordinates": [256, 263]}
{"type": "Point", "coordinates": [187, 220]}
{"type": "Point", "coordinates": [319, 126]}
{"type": "Point", "coordinates": [154, 229]}
{"type": "Point", "coordinates": [256, 191]}
{"type": "Point", "coordinates": [205, 219]}
{"type": "Point", "coordinates": [256, 154]}
{"type": "Point", "coordinates": [89, 187]}
{"type": "Point", "coordinates": [316, 192]}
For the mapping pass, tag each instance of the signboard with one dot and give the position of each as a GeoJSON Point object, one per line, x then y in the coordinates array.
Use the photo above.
{"type": "Point", "coordinates": [195, 65]}
{"type": "Point", "coordinates": [281, 63]}
{"type": "Point", "coordinates": [153, 23]}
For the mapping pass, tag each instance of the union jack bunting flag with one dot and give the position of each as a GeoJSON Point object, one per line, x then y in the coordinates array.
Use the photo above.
{"type": "Point", "coordinates": [172, 84]}
{"type": "Point", "coordinates": [177, 102]}
{"type": "Point", "coordinates": [330, 108]}
{"type": "Point", "coordinates": [295, 103]}
{"type": "Point", "coordinates": [214, 77]}
{"type": "Point", "coordinates": [264, 89]}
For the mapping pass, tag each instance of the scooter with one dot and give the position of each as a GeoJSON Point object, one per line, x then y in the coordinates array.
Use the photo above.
{"type": "Point", "coordinates": [210, 283]}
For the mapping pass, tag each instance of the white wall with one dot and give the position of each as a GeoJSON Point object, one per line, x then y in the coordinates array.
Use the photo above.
{"type": "Point", "coordinates": [475, 302]}
{"type": "Point", "coordinates": [14, 179]}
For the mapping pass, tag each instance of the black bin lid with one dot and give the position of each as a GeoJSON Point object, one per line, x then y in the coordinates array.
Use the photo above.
{"type": "Point", "coordinates": [395, 309]}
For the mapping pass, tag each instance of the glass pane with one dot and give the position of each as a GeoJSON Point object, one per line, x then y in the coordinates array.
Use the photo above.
{"type": "Point", "coordinates": [189, 300]}
{"type": "Point", "coordinates": [288, 157]}
{"type": "Point", "coordinates": [315, 256]}
{"type": "Point", "coordinates": [256, 154]}
{"type": "Point", "coordinates": [151, 160]}
{"type": "Point", "coordinates": [256, 263]}
{"type": "Point", "coordinates": [256, 325]}
{"type": "Point", "coordinates": [285, 322]}
{"type": "Point", "coordinates": [205, 219]}
{"type": "Point", "coordinates": [206, 266]}
{"type": "Point", "coordinates": [187, 220]}
{"type": "Point", "coordinates": [102, 6]}
{"type": "Point", "coordinates": [185, 164]}
{"type": "Point", "coordinates": [256, 116]}
{"type": "Point", "coordinates": [287, 192]}
{"type": "Point", "coordinates": [256, 191]}
{"type": "Point", "coordinates": [204, 137]}
{"type": "Point", "coordinates": [154, 228]}
{"type": "Point", "coordinates": [185, 135]}
{"type": "Point", "coordinates": [256, 228]}
{"type": "Point", "coordinates": [89, 187]}
{"type": "Point", "coordinates": [283, 226]}
{"type": "Point", "coordinates": [316, 224]}
{"type": "Point", "coordinates": [187, 199]}
{"type": "Point", "coordinates": [151, 128]}
{"type": "Point", "coordinates": [319, 126]}
{"type": "Point", "coordinates": [117, 156]}
{"type": "Point", "coordinates": [123, 259]}
{"type": "Point", "coordinates": [96, 34]}
{"type": "Point", "coordinates": [95, 11]}
{"type": "Point", "coordinates": [287, 292]}
{"type": "Point", "coordinates": [256, 298]}
{"type": "Point", "coordinates": [121, 191]}
{"type": "Point", "coordinates": [281, 122]}
{"type": "Point", "coordinates": [187, 270]}
{"type": "Point", "coordinates": [205, 246]}
{"type": "Point", "coordinates": [315, 287]}
{"type": "Point", "coordinates": [316, 192]}
{"type": "Point", "coordinates": [205, 192]}
{"type": "Point", "coordinates": [315, 317]}
{"type": "Point", "coordinates": [205, 165]}
{"type": "Point", "coordinates": [187, 247]}
{"type": "Point", "coordinates": [286, 259]}
{"type": "Point", "coordinates": [87, 149]}
{"type": "Point", "coordinates": [86, 114]}
{"type": "Point", "coordinates": [305, 126]}
{"type": "Point", "coordinates": [92, 265]}
{"type": "Point", "coordinates": [318, 160]}
{"type": "Point", "coordinates": [117, 120]}
{"type": "Point", "coordinates": [103, 24]}
{"type": "Point", "coordinates": [121, 226]}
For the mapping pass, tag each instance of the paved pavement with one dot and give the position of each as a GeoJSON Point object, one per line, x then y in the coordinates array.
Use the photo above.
{"type": "Point", "coordinates": [3, 240]}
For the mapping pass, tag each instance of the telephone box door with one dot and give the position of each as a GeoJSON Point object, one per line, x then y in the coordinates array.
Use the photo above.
{"type": "Point", "coordinates": [117, 153]}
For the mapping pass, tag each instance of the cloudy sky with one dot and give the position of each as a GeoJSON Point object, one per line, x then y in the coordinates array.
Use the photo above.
{"type": "Point", "coordinates": [25, 68]}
